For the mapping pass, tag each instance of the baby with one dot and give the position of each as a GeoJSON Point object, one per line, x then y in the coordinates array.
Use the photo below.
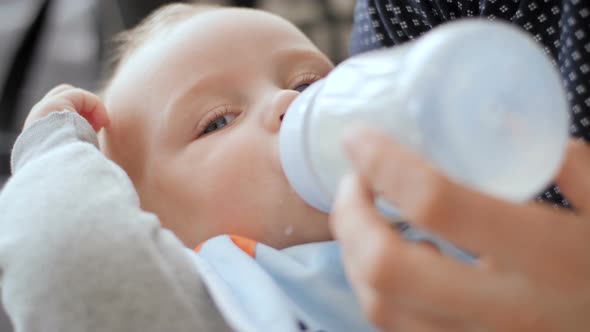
{"type": "Point", "coordinates": [196, 105]}
{"type": "Point", "coordinates": [191, 116]}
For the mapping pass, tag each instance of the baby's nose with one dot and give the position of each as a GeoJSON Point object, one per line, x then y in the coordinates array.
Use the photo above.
{"type": "Point", "coordinates": [279, 105]}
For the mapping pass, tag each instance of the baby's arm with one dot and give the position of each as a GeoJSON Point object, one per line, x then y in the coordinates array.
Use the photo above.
{"type": "Point", "coordinates": [76, 251]}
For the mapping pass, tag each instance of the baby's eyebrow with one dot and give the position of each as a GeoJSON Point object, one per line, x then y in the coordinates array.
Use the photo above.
{"type": "Point", "coordinates": [201, 84]}
{"type": "Point", "coordinates": [288, 56]}
{"type": "Point", "coordinates": [188, 103]}
{"type": "Point", "coordinates": [282, 56]}
{"type": "Point", "coordinates": [209, 84]}
{"type": "Point", "coordinates": [205, 84]}
{"type": "Point", "coordinates": [206, 90]}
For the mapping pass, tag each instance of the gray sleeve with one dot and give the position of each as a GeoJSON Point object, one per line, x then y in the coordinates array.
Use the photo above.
{"type": "Point", "coordinates": [76, 251]}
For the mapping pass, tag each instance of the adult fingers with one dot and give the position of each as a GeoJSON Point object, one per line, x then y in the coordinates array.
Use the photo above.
{"type": "Point", "coordinates": [407, 319]}
{"type": "Point", "coordinates": [472, 220]}
{"type": "Point", "coordinates": [574, 178]}
{"type": "Point", "coordinates": [382, 266]}
{"type": "Point", "coordinates": [366, 239]}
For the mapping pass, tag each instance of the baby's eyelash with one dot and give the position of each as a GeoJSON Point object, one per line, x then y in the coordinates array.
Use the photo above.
{"type": "Point", "coordinates": [305, 78]}
{"type": "Point", "coordinates": [212, 116]}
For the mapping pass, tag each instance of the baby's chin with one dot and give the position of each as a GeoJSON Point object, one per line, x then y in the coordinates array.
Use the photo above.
{"type": "Point", "coordinates": [310, 227]}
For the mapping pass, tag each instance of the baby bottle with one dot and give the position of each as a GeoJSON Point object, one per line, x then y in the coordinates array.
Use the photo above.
{"type": "Point", "coordinates": [479, 99]}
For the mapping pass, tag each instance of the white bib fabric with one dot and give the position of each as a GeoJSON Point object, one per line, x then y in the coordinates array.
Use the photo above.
{"type": "Point", "coordinates": [302, 288]}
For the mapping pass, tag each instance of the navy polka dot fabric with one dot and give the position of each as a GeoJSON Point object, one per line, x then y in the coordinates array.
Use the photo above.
{"type": "Point", "coordinates": [562, 27]}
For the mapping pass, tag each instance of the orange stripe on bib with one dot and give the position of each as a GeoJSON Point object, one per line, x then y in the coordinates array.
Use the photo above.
{"type": "Point", "coordinates": [247, 245]}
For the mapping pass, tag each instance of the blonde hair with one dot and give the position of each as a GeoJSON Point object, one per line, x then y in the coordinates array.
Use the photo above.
{"type": "Point", "coordinates": [163, 18]}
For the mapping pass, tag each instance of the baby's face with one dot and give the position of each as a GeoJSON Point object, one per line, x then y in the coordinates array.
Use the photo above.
{"type": "Point", "coordinates": [195, 117]}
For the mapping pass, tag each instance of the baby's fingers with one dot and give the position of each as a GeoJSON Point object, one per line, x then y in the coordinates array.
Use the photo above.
{"type": "Point", "coordinates": [67, 98]}
{"type": "Point", "coordinates": [88, 105]}
{"type": "Point", "coordinates": [58, 89]}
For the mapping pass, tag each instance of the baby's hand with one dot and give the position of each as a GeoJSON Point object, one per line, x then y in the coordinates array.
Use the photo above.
{"type": "Point", "coordinates": [68, 98]}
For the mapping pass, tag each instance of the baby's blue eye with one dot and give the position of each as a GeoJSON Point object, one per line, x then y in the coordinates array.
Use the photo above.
{"type": "Point", "coordinates": [302, 87]}
{"type": "Point", "coordinates": [219, 123]}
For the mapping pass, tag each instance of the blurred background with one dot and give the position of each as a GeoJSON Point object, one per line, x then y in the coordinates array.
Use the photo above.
{"type": "Point", "coordinates": [48, 42]}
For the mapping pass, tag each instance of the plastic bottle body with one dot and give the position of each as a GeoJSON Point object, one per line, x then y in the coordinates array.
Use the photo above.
{"type": "Point", "coordinates": [479, 99]}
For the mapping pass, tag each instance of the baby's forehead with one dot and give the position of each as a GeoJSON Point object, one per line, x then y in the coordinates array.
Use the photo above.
{"type": "Point", "coordinates": [205, 41]}
{"type": "Point", "coordinates": [234, 26]}
{"type": "Point", "coordinates": [217, 35]}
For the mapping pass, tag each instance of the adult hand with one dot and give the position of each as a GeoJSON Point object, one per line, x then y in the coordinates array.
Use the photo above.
{"type": "Point", "coordinates": [65, 97]}
{"type": "Point", "coordinates": [534, 267]}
